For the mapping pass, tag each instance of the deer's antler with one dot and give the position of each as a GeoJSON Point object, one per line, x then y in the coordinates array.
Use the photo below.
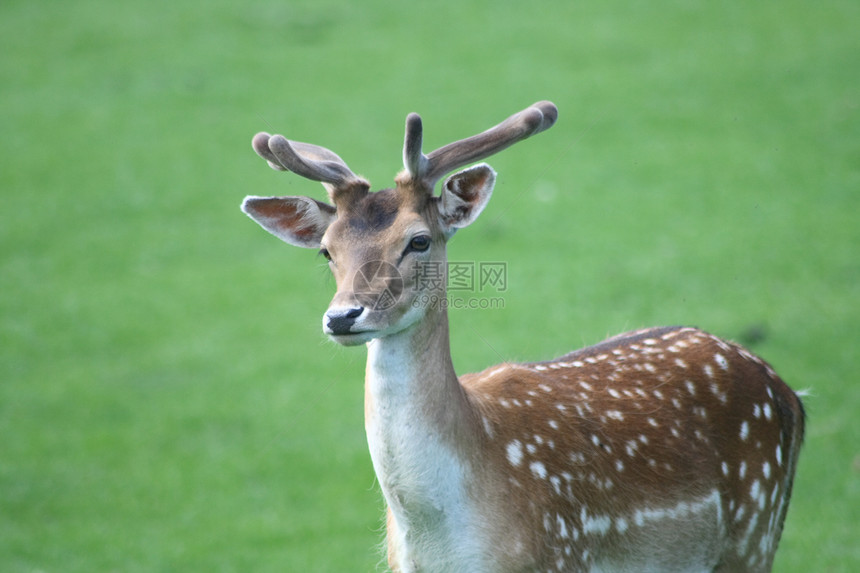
{"type": "Point", "coordinates": [429, 168]}
{"type": "Point", "coordinates": [310, 161]}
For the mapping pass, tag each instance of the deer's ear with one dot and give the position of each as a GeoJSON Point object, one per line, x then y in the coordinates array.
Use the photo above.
{"type": "Point", "coordinates": [299, 221]}
{"type": "Point", "coordinates": [464, 196]}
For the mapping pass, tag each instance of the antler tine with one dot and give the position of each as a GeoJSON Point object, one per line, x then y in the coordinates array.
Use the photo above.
{"type": "Point", "coordinates": [414, 159]}
{"type": "Point", "coordinates": [310, 161]}
{"type": "Point", "coordinates": [260, 143]}
{"type": "Point", "coordinates": [532, 120]}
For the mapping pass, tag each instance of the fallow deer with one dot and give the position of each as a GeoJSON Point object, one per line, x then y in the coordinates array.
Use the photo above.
{"type": "Point", "coordinates": [664, 449]}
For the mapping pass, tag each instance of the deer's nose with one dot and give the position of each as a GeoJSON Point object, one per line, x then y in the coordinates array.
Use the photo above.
{"type": "Point", "coordinates": [340, 320]}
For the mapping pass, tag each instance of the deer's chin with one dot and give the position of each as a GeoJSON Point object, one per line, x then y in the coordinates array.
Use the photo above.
{"type": "Point", "coordinates": [354, 338]}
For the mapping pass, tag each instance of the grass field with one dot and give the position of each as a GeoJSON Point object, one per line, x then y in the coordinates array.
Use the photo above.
{"type": "Point", "coordinates": [167, 399]}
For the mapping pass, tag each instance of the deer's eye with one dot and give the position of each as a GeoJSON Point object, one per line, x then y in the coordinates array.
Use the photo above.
{"type": "Point", "coordinates": [324, 252]}
{"type": "Point", "coordinates": [420, 243]}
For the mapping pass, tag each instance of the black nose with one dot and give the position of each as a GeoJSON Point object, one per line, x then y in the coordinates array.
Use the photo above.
{"type": "Point", "coordinates": [340, 320]}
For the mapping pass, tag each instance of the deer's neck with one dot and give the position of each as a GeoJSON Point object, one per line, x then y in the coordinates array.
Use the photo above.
{"type": "Point", "coordinates": [419, 426]}
{"type": "Point", "coordinates": [413, 366]}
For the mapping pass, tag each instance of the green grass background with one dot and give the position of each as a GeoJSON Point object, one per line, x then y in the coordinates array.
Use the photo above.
{"type": "Point", "coordinates": [167, 399]}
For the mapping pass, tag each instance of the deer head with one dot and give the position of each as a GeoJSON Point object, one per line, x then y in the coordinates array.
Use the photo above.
{"type": "Point", "coordinates": [382, 245]}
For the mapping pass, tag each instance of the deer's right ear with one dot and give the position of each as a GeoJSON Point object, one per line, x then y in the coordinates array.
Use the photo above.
{"type": "Point", "coordinates": [464, 196]}
{"type": "Point", "coordinates": [299, 221]}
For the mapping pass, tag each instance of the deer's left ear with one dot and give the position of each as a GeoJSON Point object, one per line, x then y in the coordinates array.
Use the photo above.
{"type": "Point", "coordinates": [464, 196]}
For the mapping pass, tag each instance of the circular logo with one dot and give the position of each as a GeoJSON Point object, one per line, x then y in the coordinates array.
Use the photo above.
{"type": "Point", "coordinates": [377, 285]}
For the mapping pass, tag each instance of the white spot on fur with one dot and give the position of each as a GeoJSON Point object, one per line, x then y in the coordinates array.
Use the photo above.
{"type": "Point", "coordinates": [680, 511]}
{"type": "Point", "coordinates": [515, 452]}
{"type": "Point", "coordinates": [599, 524]}
{"type": "Point", "coordinates": [538, 469]}
{"type": "Point", "coordinates": [562, 527]}
{"type": "Point", "coordinates": [488, 429]}
{"type": "Point", "coordinates": [715, 390]}
{"type": "Point", "coordinates": [755, 489]}
{"type": "Point", "coordinates": [745, 430]}
{"type": "Point", "coordinates": [758, 495]}
{"type": "Point", "coordinates": [631, 448]}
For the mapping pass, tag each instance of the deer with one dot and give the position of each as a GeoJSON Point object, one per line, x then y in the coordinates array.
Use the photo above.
{"type": "Point", "coordinates": [664, 449]}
